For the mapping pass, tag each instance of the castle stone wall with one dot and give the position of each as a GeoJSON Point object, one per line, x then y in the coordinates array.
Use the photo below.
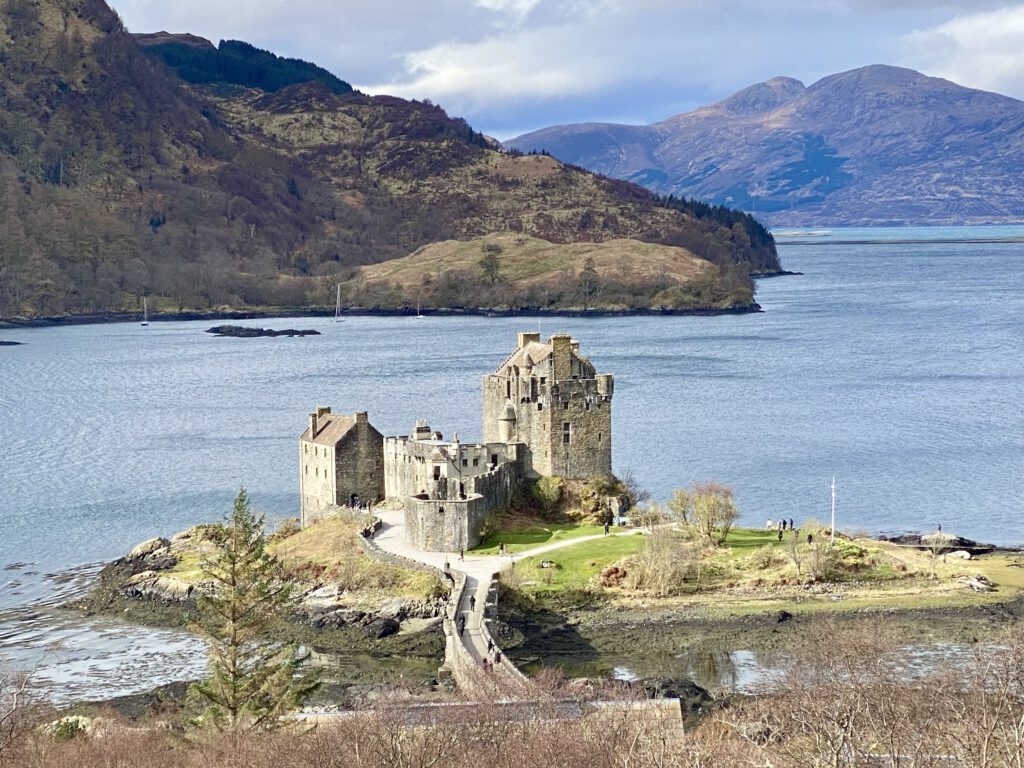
{"type": "Point", "coordinates": [444, 525]}
{"type": "Point", "coordinates": [583, 417]}
{"type": "Point", "coordinates": [317, 485]}
{"type": "Point", "coordinates": [359, 466]}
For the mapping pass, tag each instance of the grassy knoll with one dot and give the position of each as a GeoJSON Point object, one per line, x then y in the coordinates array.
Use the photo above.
{"type": "Point", "coordinates": [324, 553]}
{"type": "Point", "coordinates": [641, 273]}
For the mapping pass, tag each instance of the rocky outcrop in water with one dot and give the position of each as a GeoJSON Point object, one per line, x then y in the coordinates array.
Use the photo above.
{"type": "Point", "coordinates": [144, 585]}
{"type": "Point", "coordinates": [242, 332]}
{"type": "Point", "coordinates": [920, 541]}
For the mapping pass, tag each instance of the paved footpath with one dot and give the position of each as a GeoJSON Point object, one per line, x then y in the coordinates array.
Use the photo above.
{"type": "Point", "coordinates": [479, 570]}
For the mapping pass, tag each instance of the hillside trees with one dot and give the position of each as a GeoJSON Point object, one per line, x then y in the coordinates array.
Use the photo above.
{"type": "Point", "coordinates": [253, 679]}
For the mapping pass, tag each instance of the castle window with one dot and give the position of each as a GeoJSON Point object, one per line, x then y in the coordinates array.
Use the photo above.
{"type": "Point", "coordinates": [587, 405]}
{"type": "Point", "coordinates": [440, 510]}
{"type": "Point", "coordinates": [508, 389]}
{"type": "Point", "coordinates": [437, 471]}
{"type": "Point", "coordinates": [465, 462]}
{"type": "Point", "coordinates": [494, 459]}
{"type": "Point", "coordinates": [566, 433]}
{"type": "Point", "coordinates": [540, 406]}
{"type": "Point", "coordinates": [599, 436]}
{"type": "Point", "coordinates": [543, 379]}
{"type": "Point", "coordinates": [565, 405]}
{"type": "Point", "coordinates": [476, 461]}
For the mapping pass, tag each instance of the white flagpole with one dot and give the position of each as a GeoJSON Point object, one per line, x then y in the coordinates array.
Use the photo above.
{"type": "Point", "coordinates": [833, 539]}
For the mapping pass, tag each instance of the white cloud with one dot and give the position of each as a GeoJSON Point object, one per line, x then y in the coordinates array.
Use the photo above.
{"type": "Point", "coordinates": [983, 50]}
{"type": "Point", "coordinates": [513, 65]}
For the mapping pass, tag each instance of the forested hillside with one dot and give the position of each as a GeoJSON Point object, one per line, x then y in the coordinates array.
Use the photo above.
{"type": "Point", "coordinates": [118, 180]}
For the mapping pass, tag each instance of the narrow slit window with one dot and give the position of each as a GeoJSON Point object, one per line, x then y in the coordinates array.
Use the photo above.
{"type": "Point", "coordinates": [566, 433]}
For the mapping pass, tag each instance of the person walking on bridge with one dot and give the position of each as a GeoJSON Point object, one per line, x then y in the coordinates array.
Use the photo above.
{"type": "Point", "coordinates": [472, 602]}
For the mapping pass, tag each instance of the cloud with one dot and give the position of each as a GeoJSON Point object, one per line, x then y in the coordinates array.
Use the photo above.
{"type": "Point", "coordinates": [982, 50]}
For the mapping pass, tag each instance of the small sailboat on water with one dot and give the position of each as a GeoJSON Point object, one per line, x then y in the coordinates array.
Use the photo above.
{"type": "Point", "coordinates": [419, 315]}
{"type": "Point", "coordinates": [145, 312]}
{"type": "Point", "coordinates": [337, 306]}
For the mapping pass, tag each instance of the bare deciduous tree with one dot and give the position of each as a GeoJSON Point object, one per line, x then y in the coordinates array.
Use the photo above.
{"type": "Point", "coordinates": [17, 707]}
{"type": "Point", "coordinates": [713, 512]}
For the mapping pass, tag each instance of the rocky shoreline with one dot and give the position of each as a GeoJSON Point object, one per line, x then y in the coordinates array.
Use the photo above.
{"type": "Point", "coordinates": [547, 635]}
{"type": "Point", "coordinates": [130, 317]}
{"type": "Point", "coordinates": [140, 588]}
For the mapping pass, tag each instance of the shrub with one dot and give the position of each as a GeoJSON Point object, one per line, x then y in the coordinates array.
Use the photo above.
{"type": "Point", "coordinates": [765, 557]}
{"type": "Point", "coordinates": [547, 492]}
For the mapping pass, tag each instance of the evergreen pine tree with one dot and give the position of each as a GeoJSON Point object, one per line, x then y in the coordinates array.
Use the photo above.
{"type": "Point", "coordinates": [253, 679]}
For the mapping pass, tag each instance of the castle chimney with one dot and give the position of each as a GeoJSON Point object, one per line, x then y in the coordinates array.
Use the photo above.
{"type": "Point", "coordinates": [316, 419]}
{"type": "Point", "coordinates": [522, 339]}
{"type": "Point", "coordinates": [362, 418]}
{"type": "Point", "coordinates": [421, 431]}
{"type": "Point", "coordinates": [561, 357]}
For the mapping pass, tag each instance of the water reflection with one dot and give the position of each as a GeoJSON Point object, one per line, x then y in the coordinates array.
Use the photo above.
{"type": "Point", "coordinates": [741, 671]}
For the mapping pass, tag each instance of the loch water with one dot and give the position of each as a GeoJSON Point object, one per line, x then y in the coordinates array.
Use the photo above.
{"type": "Point", "coordinates": [894, 366]}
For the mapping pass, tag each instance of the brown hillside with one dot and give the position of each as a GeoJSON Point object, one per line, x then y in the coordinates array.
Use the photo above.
{"type": "Point", "coordinates": [117, 181]}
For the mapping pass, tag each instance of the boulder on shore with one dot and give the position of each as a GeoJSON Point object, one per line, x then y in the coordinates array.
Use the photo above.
{"type": "Point", "coordinates": [148, 547]}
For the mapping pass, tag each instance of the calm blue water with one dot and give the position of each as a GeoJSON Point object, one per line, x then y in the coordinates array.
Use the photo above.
{"type": "Point", "coordinates": [896, 368]}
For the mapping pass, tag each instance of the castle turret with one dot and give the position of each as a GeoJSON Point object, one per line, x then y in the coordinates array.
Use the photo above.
{"type": "Point", "coordinates": [507, 424]}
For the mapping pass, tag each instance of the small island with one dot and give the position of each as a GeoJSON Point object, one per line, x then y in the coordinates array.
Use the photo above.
{"type": "Point", "coordinates": [243, 332]}
{"type": "Point", "coordinates": [402, 542]}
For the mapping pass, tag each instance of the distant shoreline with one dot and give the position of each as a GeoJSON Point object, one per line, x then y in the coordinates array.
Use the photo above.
{"type": "Point", "coordinates": [905, 241]}
{"type": "Point", "coordinates": [127, 317]}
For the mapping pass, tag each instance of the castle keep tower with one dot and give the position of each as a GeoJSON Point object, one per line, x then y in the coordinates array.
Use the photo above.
{"type": "Point", "coordinates": [550, 398]}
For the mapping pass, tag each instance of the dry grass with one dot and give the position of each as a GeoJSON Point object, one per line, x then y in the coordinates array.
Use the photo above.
{"type": "Point", "coordinates": [530, 261]}
{"type": "Point", "coordinates": [859, 707]}
{"type": "Point", "coordinates": [328, 553]}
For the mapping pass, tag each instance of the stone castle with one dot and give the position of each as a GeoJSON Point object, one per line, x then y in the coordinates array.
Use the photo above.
{"type": "Point", "coordinates": [546, 412]}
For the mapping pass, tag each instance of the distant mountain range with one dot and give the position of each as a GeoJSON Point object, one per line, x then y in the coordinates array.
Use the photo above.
{"type": "Point", "coordinates": [206, 177]}
{"type": "Point", "coordinates": [873, 146]}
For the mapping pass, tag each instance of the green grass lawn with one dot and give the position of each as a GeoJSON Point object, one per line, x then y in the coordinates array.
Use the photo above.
{"type": "Point", "coordinates": [575, 565]}
{"type": "Point", "coordinates": [743, 541]}
{"type": "Point", "coordinates": [877, 581]}
{"type": "Point", "coordinates": [518, 541]}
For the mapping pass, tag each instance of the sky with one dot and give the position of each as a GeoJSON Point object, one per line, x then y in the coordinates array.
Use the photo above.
{"type": "Point", "coordinates": [511, 66]}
